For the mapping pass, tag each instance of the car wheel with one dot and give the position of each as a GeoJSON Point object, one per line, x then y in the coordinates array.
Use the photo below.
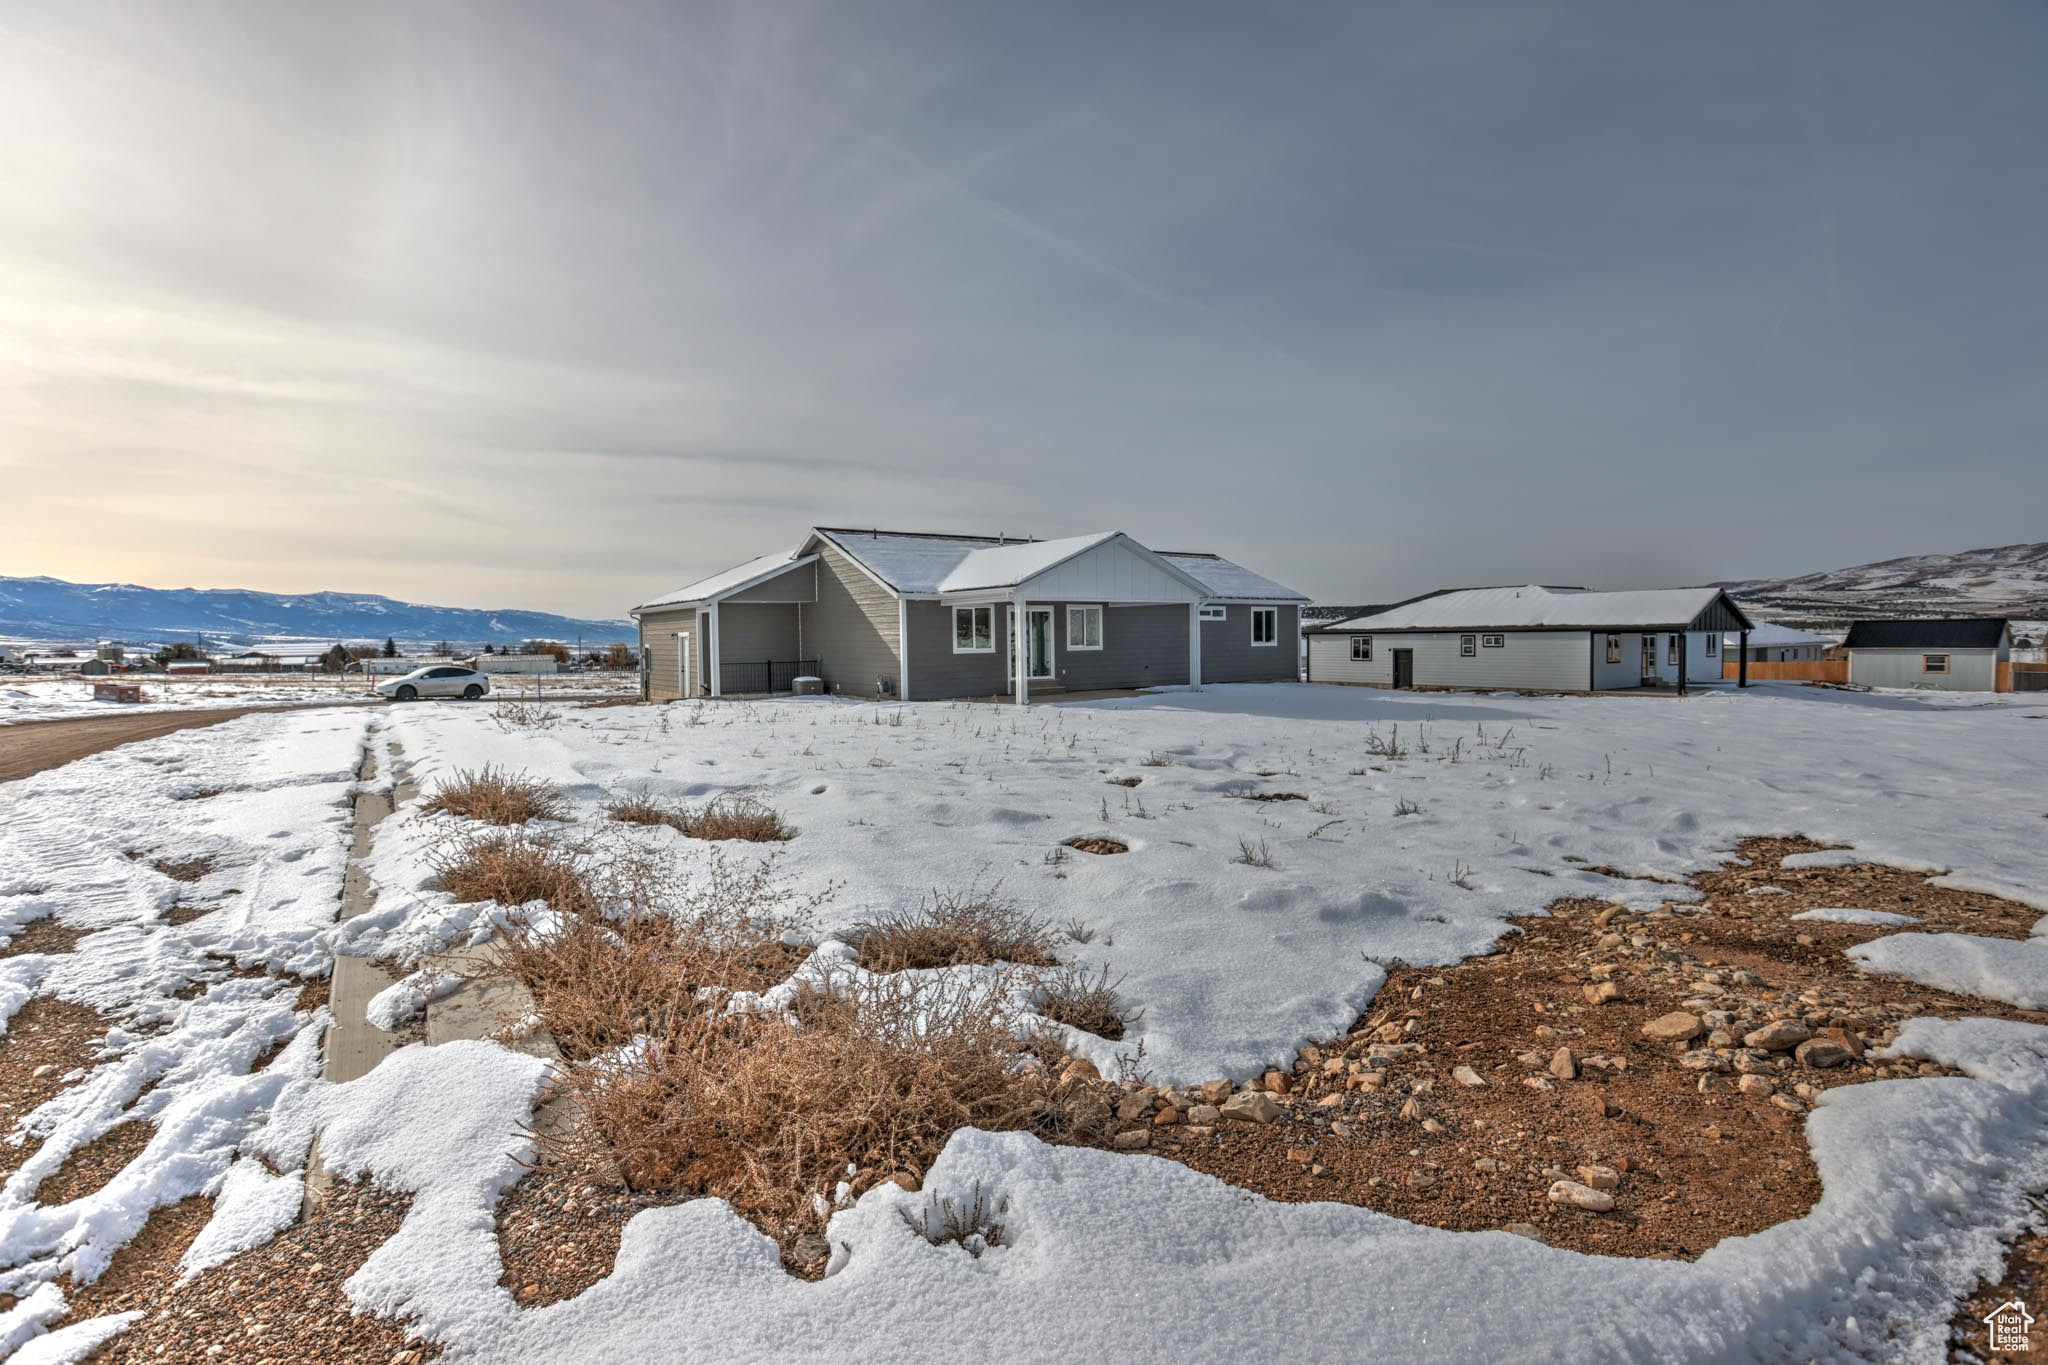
{"type": "Point", "coordinates": [408, 693]}
{"type": "Point", "coordinates": [472, 692]}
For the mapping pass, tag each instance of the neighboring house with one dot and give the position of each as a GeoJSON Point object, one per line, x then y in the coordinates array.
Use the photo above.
{"type": "Point", "coordinates": [1533, 638]}
{"type": "Point", "coordinates": [188, 666]}
{"type": "Point", "coordinates": [528, 665]}
{"type": "Point", "coordinates": [1775, 644]}
{"type": "Point", "coordinates": [923, 616]}
{"type": "Point", "coordinates": [1959, 654]}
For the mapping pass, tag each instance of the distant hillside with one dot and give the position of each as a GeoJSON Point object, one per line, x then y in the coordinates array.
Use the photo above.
{"type": "Point", "coordinates": [2005, 580]}
{"type": "Point", "coordinates": [51, 609]}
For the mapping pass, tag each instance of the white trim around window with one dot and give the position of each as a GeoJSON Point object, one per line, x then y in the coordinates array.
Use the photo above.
{"type": "Point", "coordinates": [1271, 617]}
{"type": "Point", "coordinates": [1084, 628]}
{"type": "Point", "coordinates": [974, 630]}
{"type": "Point", "coordinates": [1216, 613]}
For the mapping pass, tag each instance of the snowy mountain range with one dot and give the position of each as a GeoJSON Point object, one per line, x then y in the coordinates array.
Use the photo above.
{"type": "Point", "coordinates": [2003, 580]}
{"type": "Point", "coordinates": [50, 609]}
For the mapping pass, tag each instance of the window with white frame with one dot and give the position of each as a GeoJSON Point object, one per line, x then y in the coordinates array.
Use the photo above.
{"type": "Point", "coordinates": [1361, 648]}
{"type": "Point", "coordinates": [974, 630]}
{"type": "Point", "coordinates": [1671, 650]}
{"type": "Point", "coordinates": [1492, 641]}
{"type": "Point", "coordinates": [1215, 613]}
{"type": "Point", "coordinates": [1084, 627]}
{"type": "Point", "coordinates": [1614, 649]}
{"type": "Point", "coordinates": [1468, 645]}
{"type": "Point", "coordinates": [1934, 663]}
{"type": "Point", "coordinates": [1265, 625]}
{"type": "Point", "coordinates": [1712, 642]}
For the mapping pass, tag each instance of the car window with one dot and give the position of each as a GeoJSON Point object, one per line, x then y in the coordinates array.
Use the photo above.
{"type": "Point", "coordinates": [447, 673]}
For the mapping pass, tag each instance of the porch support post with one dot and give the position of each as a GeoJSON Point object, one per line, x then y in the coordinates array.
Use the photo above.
{"type": "Point", "coordinates": [711, 640]}
{"type": "Point", "coordinates": [1684, 648]}
{"type": "Point", "coordinates": [1742, 664]}
{"type": "Point", "coordinates": [1020, 651]}
{"type": "Point", "coordinates": [1194, 646]}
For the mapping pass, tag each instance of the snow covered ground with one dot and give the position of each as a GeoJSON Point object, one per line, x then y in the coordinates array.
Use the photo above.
{"type": "Point", "coordinates": [26, 698]}
{"type": "Point", "coordinates": [1508, 802]}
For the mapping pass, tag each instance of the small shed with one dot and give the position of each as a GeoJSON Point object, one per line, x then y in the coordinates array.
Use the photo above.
{"type": "Point", "coordinates": [1951, 654]}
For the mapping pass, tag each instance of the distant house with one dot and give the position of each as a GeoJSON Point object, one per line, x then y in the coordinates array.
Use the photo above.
{"type": "Point", "coordinates": [1770, 643]}
{"type": "Point", "coordinates": [526, 665]}
{"type": "Point", "coordinates": [188, 666]}
{"type": "Point", "coordinates": [931, 615]}
{"type": "Point", "coordinates": [1533, 638]}
{"type": "Point", "coordinates": [1959, 654]}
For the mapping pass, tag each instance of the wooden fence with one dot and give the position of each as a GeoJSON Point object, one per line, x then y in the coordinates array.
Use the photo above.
{"type": "Point", "coordinates": [2023, 677]}
{"type": "Point", "coordinates": [1791, 670]}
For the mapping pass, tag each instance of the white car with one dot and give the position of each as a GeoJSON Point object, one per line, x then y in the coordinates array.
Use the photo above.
{"type": "Point", "coordinates": [436, 680]}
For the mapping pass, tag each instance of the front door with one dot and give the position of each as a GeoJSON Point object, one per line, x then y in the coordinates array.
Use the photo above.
{"type": "Point", "coordinates": [1038, 643]}
{"type": "Point", "coordinates": [1404, 668]}
{"type": "Point", "coordinates": [1650, 675]}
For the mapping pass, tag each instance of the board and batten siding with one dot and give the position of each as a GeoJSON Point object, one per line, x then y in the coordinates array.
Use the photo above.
{"type": "Point", "coordinates": [1969, 670]}
{"type": "Point", "coordinates": [852, 632]}
{"type": "Point", "coordinates": [658, 632]}
{"type": "Point", "coordinates": [1142, 646]}
{"type": "Point", "coordinates": [1228, 654]}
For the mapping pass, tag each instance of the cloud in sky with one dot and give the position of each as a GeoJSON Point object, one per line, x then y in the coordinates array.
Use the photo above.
{"type": "Point", "coordinates": [563, 305]}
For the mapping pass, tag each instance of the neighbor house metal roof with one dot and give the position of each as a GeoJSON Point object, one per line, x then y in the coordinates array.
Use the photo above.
{"type": "Point", "coordinates": [1533, 606]}
{"type": "Point", "coordinates": [1955, 632]}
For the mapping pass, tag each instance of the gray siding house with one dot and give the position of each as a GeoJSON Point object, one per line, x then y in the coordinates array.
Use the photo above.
{"type": "Point", "coordinates": [923, 616]}
{"type": "Point", "coordinates": [1961, 654]}
{"type": "Point", "coordinates": [1534, 639]}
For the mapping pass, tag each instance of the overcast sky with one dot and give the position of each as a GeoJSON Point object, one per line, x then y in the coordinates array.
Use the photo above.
{"type": "Point", "coordinates": [561, 306]}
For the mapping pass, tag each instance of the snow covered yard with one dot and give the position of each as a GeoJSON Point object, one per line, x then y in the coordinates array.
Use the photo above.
{"type": "Point", "coordinates": [1241, 927]}
{"type": "Point", "coordinates": [27, 698]}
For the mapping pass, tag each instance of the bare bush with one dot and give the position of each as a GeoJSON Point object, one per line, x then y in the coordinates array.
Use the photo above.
{"type": "Point", "coordinates": [951, 929]}
{"type": "Point", "coordinates": [1407, 807]}
{"type": "Point", "coordinates": [497, 797]}
{"type": "Point", "coordinates": [513, 867]}
{"type": "Point", "coordinates": [731, 816]}
{"type": "Point", "coordinates": [1253, 854]}
{"type": "Point", "coordinates": [1070, 995]}
{"type": "Point", "coordinates": [523, 715]}
{"type": "Point", "coordinates": [974, 1224]}
{"type": "Point", "coordinates": [1155, 760]}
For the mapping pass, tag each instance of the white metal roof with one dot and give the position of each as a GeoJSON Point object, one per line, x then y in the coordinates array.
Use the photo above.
{"type": "Point", "coordinates": [1770, 635]}
{"type": "Point", "coordinates": [1224, 579]}
{"type": "Point", "coordinates": [1532, 605]}
{"type": "Point", "coordinates": [739, 576]}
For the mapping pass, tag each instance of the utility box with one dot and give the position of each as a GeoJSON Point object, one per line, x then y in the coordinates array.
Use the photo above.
{"type": "Point", "coordinates": [807, 687]}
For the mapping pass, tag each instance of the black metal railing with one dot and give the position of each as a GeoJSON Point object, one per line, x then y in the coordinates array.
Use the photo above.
{"type": "Point", "coordinates": [767, 675]}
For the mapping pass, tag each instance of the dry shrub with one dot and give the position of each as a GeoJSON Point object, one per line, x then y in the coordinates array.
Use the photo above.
{"type": "Point", "coordinates": [512, 715]}
{"type": "Point", "coordinates": [1071, 996]}
{"type": "Point", "coordinates": [974, 1224]}
{"type": "Point", "coordinates": [646, 946]}
{"type": "Point", "coordinates": [497, 797]}
{"type": "Point", "coordinates": [513, 867]}
{"type": "Point", "coordinates": [769, 1111]}
{"type": "Point", "coordinates": [722, 817]}
{"type": "Point", "coordinates": [952, 929]}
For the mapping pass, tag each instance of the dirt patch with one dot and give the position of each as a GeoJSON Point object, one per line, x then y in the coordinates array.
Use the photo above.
{"type": "Point", "coordinates": [2025, 1279]}
{"type": "Point", "coordinates": [559, 1230]}
{"type": "Point", "coordinates": [314, 994]}
{"type": "Point", "coordinates": [184, 912]}
{"type": "Point", "coordinates": [1269, 796]}
{"type": "Point", "coordinates": [88, 1169]}
{"type": "Point", "coordinates": [1470, 1090]}
{"type": "Point", "coordinates": [281, 1301]}
{"type": "Point", "coordinates": [1125, 781]}
{"type": "Point", "coordinates": [184, 869]}
{"type": "Point", "coordinates": [1097, 844]}
{"type": "Point", "coordinates": [45, 1041]}
{"type": "Point", "coordinates": [37, 745]}
{"type": "Point", "coordinates": [45, 935]}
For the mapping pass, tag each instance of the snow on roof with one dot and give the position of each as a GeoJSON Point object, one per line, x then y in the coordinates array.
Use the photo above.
{"type": "Point", "coordinates": [1224, 579]}
{"type": "Point", "coordinates": [1957, 632]}
{"type": "Point", "coordinates": [1768, 634]}
{"type": "Point", "coordinates": [911, 562]}
{"type": "Point", "coordinates": [1007, 565]}
{"type": "Point", "coordinates": [717, 583]}
{"type": "Point", "coordinates": [1532, 605]}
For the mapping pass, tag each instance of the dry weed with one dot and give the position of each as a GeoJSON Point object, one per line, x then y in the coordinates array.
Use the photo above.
{"type": "Point", "coordinates": [723, 817]}
{"type": "Point", "coordinates": [497, 797]}
{"type": "Point", "coordinates": [951, 929]}
{"type": "Point", "coordinates": [513, 867]}
{"type": "Point", "coordinates": [1070, 995]}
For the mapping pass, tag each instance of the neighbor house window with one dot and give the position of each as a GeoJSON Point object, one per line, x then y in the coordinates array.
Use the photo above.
{"type": "Point", "coordinates": [1265, 625]}
{"type": "Point", "coordinates": [1361, 647]}
{"type": "Point", "coordinates": [1492, 641]}
{"type": "Point", "coordinates": [1934, 663]}
{"type": "Point", "coordinates": [1468, 645]}
{"type": "Point", "coordinates": [1614, 649]}
{"type": "Point", "coordinates": [1671, 649]}
{"type": "Point", "coordinates": [1215, 613]}
{"type": "Point", "coordinates": [1084, 627]}
{"type": "Point", "coordinates": [974, 630]}
{"type": "Point", "coordinates": [1712, 641]}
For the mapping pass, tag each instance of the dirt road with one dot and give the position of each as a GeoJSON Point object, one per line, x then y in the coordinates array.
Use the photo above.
{"type": "Point", "coordinates": [35, 745]}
